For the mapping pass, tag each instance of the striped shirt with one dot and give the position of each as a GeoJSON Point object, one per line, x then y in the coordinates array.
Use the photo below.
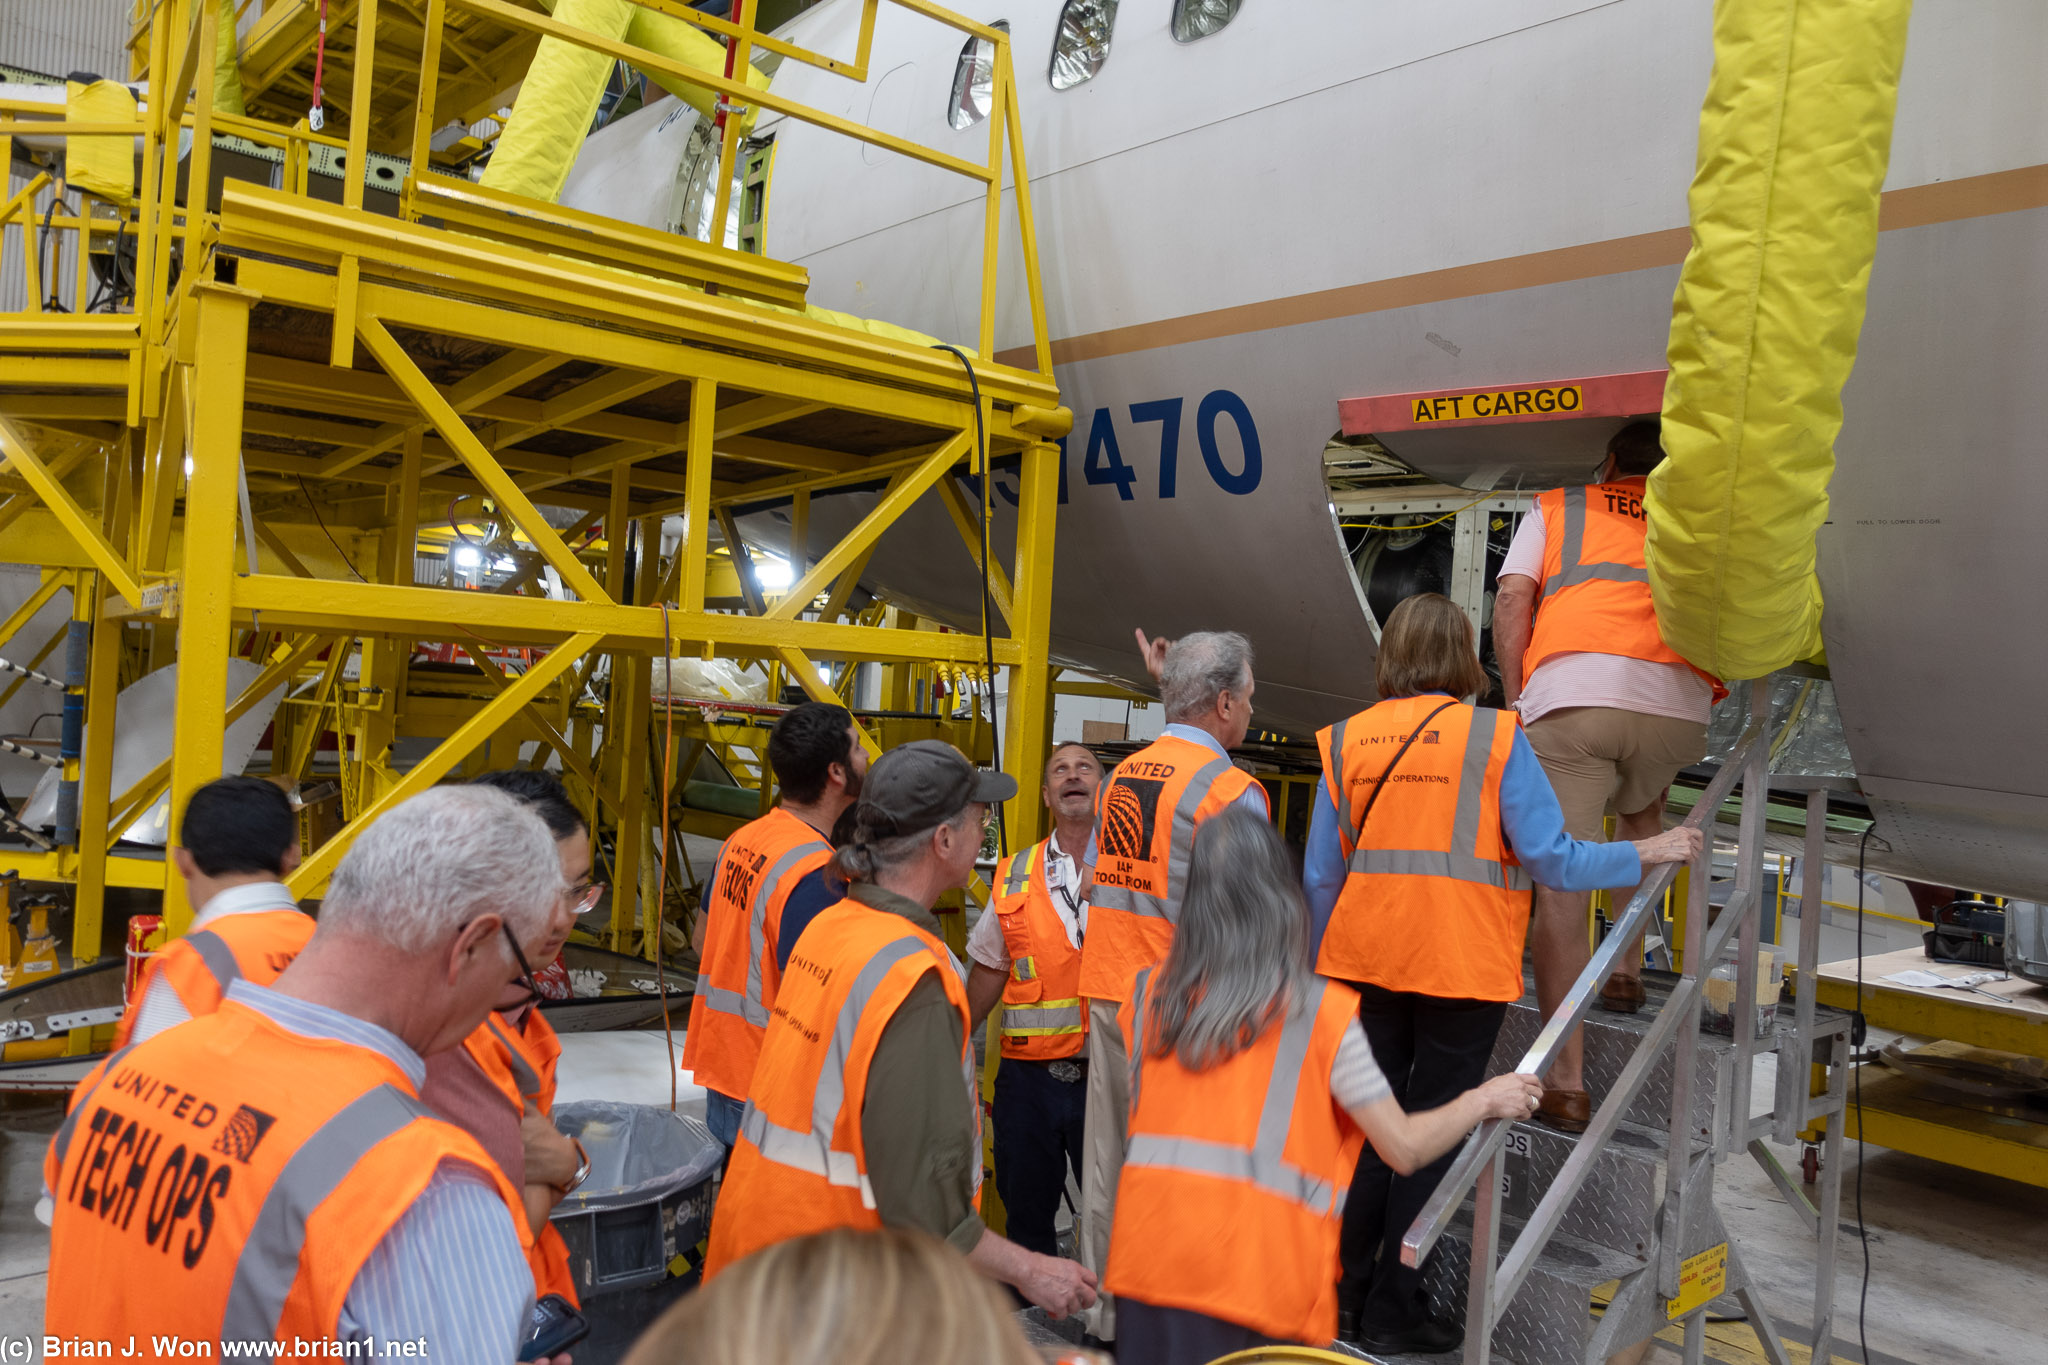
{"type": "Point", "coordinates": [450, 1271]}
{"type": "Point", "coordinates": [1356, 1079]}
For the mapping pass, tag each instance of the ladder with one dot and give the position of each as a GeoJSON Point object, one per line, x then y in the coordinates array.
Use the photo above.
{"type": "Point", "coordinates": [1631, 1200]}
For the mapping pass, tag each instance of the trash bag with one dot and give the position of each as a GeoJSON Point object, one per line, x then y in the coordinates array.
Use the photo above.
{"type": "Point", "coordinates": [638, 1153]}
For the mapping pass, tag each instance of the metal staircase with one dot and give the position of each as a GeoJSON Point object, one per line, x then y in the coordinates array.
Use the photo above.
{"type": "Point", "coordinates": [1533, 1221]}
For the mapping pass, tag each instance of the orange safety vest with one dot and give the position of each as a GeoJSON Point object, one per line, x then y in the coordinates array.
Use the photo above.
{"type": "Point", "coordinates": [233, 1177]}
{"type": "Point", "coordinates": [1255, 1149]}
{"type": "Point", "coordinates": [737, 977]}
{"type": "Point", "coordinates": [1434, 901]}
{"type": "Point", "coordinates": [521, 1063]}
{"type": "Point", "coordinates": [1596, 580]}
{"type": "Point", "coordinates": [1042, 1014]}
{"type": "Point", "coordinates": [1146, 814]}
{"type": "Point", "coordinates": [800, 1165]}
{"type": "Point", "coordinates": [201, 966]}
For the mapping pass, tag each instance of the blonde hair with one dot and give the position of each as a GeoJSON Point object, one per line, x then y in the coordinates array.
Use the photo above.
{"type": "Point", "coordinates": [841, 1298]}
{"type": "Point", "coordinates": [1426, 646]}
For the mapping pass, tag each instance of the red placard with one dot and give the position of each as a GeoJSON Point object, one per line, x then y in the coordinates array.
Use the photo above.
{"type": "Point", "coordinates": [1603, 395]}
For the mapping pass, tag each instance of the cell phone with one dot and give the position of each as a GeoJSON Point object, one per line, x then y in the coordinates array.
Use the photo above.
{"type": "Point", "coordinates": [556, 1327]}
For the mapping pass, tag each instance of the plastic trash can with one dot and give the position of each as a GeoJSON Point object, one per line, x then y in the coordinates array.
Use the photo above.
{"type": "Point", "coordinates": [647, 1198]}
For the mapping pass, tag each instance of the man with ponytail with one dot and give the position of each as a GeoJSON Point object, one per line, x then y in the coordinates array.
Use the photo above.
{"type": "Point", "coordinates": [863, 1111]}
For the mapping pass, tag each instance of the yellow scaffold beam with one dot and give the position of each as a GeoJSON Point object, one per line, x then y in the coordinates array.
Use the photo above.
{"type": "Point", "coordinates": [15, 446]}
{"type": "Point", "coordinates": [313, 873]}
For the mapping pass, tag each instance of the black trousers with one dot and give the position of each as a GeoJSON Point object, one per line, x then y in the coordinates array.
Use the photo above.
{"type": "Point", "coordinates": [1432, 1050]}
{"type": "Point", "coordinates": [1038, 1122]}
{"type": "Point", "coordinates": [1147, 1334]}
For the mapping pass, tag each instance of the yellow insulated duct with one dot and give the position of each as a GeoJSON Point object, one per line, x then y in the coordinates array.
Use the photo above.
{"type": "Point", "coordinates": [1794, 140]}
{"type": "Point", "coordinates": [227, 75]}
{"type": "Point", "coordinates": [104, 166]}
{"type": "Point", "coordinates": [564, 83]}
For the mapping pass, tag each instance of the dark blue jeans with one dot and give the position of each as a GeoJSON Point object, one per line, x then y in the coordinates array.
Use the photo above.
{"type": "Point", "coordinates": [1038, 1122]}
{"type": "Point", "coordinates": [722, 1115]}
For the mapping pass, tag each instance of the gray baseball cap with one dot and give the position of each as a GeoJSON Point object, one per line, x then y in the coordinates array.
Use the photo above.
{"type": "Point", "coordinates": [921, 785]}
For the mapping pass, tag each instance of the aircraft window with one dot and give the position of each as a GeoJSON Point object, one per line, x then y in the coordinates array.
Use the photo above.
{"type": "Point", "coordinates": [1082, 45]}
{"type": "Point", "coordinates": [974, 81]}
{"type": "Point", "coordinates": [1194, 19]}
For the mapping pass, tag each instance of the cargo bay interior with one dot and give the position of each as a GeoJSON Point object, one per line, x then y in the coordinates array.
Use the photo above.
{"type": "Point", "coordinates": [398, 391]}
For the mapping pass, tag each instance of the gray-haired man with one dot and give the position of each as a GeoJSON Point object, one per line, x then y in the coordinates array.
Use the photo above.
{"type": "Point", "coordinates": [303, 1096]}
{"type": "Point", "coordinates": [1146, 814]}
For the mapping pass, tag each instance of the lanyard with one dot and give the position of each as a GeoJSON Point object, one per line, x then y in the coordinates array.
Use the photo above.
{"type": "Point", "coordinates": [1073, 906]}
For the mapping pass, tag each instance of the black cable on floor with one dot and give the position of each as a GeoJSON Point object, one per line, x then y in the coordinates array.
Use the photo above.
{"type": "Point", "coordinates": [1858, 1029]}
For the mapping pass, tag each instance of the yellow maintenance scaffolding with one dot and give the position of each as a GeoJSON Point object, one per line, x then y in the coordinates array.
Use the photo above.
{"type": "Point", "coordinates": [265, 409]}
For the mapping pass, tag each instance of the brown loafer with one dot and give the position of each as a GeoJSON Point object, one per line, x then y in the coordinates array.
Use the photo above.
{"type": "Point", "coordinates": [1622, 994]}
{"type": "Point", "coordinates": [1568, 1111]}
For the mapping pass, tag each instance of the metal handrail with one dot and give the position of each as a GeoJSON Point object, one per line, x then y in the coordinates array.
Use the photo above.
{"type": "Point", "coordinates": [1482, 1148]}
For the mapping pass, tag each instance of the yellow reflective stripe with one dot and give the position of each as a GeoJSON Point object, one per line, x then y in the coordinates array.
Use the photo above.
{"type": "Point", "coordinates": [1019, 1020]}
{"type": "Point", "coordinates": [1025, 969]}
{"type": "Point", "coordinates": [1019, 879]}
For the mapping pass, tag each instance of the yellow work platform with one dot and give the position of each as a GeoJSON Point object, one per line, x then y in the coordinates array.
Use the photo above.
{"type": "Point", "coordinates": [1906, 1116]}
{"type": "Point", "coordinates": [273, 441]}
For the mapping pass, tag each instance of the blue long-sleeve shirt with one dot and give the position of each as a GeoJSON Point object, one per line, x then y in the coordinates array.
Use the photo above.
{"type": "Point", "coordinates": [1529, 816]}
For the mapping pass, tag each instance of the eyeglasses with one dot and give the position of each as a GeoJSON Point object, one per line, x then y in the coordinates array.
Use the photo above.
{"type": "Point", "coordinates": [525, 977]}
{"type": "Point", "coordinates": [586, 897]}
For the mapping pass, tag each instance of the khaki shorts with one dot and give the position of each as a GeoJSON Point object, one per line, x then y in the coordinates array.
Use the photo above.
{"type": "Point", "coordinates": [1598, 756]}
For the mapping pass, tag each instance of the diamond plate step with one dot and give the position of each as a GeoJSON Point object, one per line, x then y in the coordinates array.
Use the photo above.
{"type": "Point", "coordinates": [1619, 1201]}
{"type": "Point", "coordinates": [1550, 1320]}
{"type": "Point", "coordinates": [1610, 1040]}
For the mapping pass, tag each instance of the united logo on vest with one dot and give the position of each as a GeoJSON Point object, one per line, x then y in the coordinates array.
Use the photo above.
{"type": "Point", "coordinates": [1042, 1015]}
{"type": "Point", "coordinates": [1433, 900]}
{"type": "Point", "coordinates": [800, 1166]}
{"type": "Point", "coordinates": [737, 980]}
{"type": "Point", "coordinates": [1256, 1146]}
{"type": "Point", "coordinates": [202, 965]}
{"type": "Point", "coordinates": [1146, 814]}
{"type": "Point", "coordinates": [1596, 580]}
{"type": "Point", "coordinates": [521, 1063]}
{"type": "Point", "coordinates": [232, 1178]}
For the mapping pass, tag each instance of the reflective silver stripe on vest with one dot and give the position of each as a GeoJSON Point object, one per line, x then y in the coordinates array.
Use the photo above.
{"type": "Point", "coordinates": [813, 1151]}
{"type": "Point", "coordinates": [62, 1141]}
{"type": "Point", "coordinates": [1461, 862]}
{"type": "Point", "coordinates": [523, 1075]}
{"type": "Point", "coordinates": [1436, 862]}
{"type": "Point", "coordinates": [1031, 1020]}
{"type": "Point", "coordinates": [1571, 572]}
{"type": "Point", "coordinates": [269, 1263]}
{"type": "Point", "coordinates": [753, 1009]}
{"type": "Point", "coordinates": [722, 1000]}
{"type": "Point", "coordinates": [1333, 773]}
{"type": "Point", "coordinates": [803, 1151]}
{"type": "Point", "coordinates": [1137, 1035]}
{"type": "Point", "coordinates": [1264, 1164]}
{"type": "Point", "coordinates": [1179, 849]}
{"type": "Point", "coordinates": [213, 950]}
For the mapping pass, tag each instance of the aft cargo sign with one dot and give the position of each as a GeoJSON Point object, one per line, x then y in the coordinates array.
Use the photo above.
{"type": "Point", "coordinates": [1607, 395]}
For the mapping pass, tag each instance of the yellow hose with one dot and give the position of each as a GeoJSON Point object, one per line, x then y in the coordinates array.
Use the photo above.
{"type": "Point", "coordinates": [564, 83]}
{"type": "Point", "coordinates": [1795, 137]}
{"type": "Point", "coordinates": [227, 76]}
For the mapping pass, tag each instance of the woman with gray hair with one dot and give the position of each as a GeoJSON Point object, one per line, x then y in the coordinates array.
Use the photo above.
{"type": "Point", "coordinates": [1252, 1091]}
